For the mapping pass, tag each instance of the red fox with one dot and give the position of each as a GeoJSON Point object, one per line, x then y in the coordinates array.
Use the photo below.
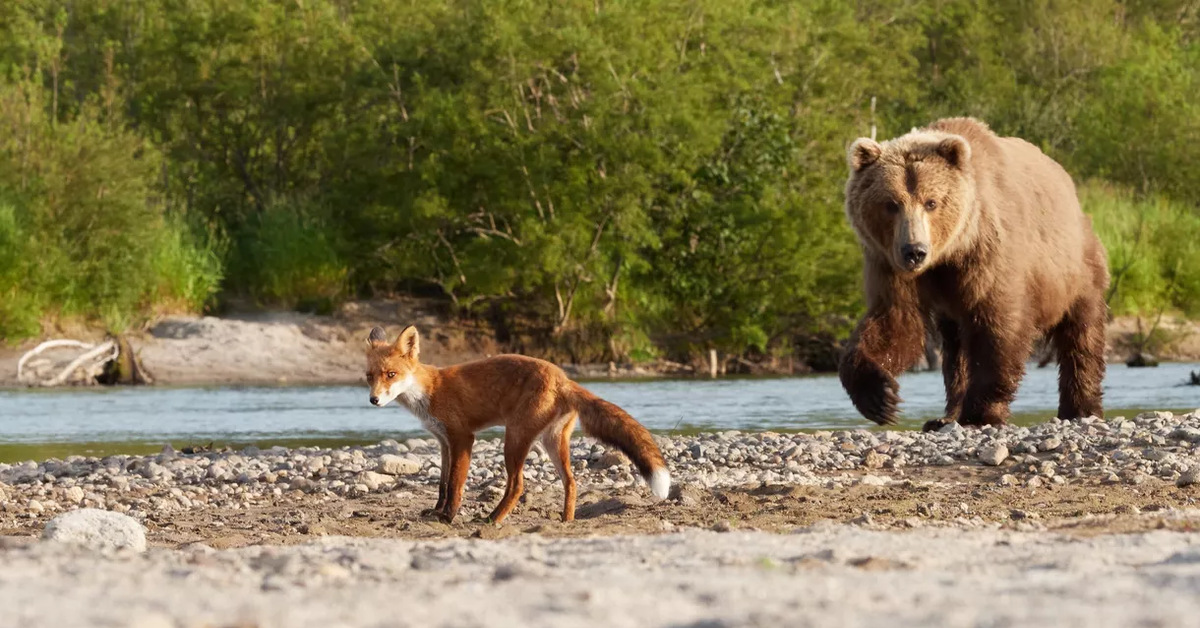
{"type": "Point", "coordinates": [531, 398]}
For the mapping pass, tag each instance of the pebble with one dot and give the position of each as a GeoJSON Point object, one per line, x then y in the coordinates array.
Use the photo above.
{"type": "Point", "coordinates": [1189, 477]}
{"type": "Point", "coordinates": [74, 494]}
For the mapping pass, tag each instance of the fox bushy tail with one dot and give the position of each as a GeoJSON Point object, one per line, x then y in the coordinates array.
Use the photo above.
{"type": "Point", "coordinates": [613, 426]}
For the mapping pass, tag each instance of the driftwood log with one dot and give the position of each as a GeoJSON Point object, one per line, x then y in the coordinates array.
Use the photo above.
{"type": "Point", "coordinates": [112, 361]}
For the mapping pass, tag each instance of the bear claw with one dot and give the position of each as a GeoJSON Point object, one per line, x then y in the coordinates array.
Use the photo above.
{"type": "Point", "coordinates": [935, 425]}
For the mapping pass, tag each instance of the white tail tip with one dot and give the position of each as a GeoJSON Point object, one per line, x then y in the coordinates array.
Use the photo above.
{"type": "Point", "coordinates": [660, 483]}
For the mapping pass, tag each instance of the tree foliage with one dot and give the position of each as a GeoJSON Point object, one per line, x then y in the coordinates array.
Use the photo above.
{"type": "Point", "coordinates": [610, 178]}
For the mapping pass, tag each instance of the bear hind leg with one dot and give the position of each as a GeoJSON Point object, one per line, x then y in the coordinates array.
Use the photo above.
{"type": "Point", "coordinates": [1079, 342]}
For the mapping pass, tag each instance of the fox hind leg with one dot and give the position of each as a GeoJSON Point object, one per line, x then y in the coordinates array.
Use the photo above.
{"type": "Point", "coordinates": [516, 448]}
{"type": "Point", "coordinates": [556, 440]}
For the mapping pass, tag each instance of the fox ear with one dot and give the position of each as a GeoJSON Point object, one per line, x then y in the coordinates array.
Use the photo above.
{"type": "Point", "coordinates": [377, 337]}
{"type": "Point", "coordinates": [409, 342]}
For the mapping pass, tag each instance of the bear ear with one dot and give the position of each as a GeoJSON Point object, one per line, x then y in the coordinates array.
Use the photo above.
{"type": "Point", "coordinates": [955, 150]}
{"type": "Point", "coordinates": [863, 152]}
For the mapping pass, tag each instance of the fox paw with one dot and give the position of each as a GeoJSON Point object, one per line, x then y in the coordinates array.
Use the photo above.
{"type": "Point", "coordinates": [432, 513]}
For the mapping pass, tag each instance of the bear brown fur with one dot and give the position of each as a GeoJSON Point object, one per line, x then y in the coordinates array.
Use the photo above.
{"type": "Point", "coordinates": [981, 236]}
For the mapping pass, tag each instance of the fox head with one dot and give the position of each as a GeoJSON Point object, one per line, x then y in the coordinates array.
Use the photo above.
{"type": "Point", "coordinates": [391, 367]}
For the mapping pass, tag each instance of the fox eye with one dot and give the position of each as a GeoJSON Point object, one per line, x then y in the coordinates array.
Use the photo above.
{"type": "Point", "coordinates": [930, 205]}
{"type": "Point", "coordinates": [391, 374]}
{"type": "Point", "coordinates": [893, 207]}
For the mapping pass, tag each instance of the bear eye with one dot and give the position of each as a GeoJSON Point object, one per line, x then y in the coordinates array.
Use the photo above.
{"type": "Point", "coordinates": [930, 205]}
{"type": "Point", "coordinates": [893, 207]}
{"type": "Point", "coordinates": [391, 374]}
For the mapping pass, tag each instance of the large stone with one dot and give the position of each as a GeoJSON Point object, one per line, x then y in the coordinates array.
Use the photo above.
{"type": "Point", "coordinates": [993, 455]}
{"type": "Point", "coordinates": [97, 529]}
{"type": "Point", "coordinates": [372, 480]}
{"type": "Point", "coordinates": [391, 464]}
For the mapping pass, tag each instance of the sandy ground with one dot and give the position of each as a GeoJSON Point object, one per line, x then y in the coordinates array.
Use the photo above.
{"type": "Point", "coordinates": [819, 576]}
{"type": "Point", "coordinates": [295, 348]}
{"type": "Point", "coordinates": [596, 573]}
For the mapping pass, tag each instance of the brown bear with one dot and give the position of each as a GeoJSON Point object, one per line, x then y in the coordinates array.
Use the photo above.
{"type": "Point", "coordinates": [982, 237]}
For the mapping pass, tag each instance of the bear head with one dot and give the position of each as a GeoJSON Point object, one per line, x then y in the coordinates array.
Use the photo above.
{"type": "Point", "coordinates": [911, 199]}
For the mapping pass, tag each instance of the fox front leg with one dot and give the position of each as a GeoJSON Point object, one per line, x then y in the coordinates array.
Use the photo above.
{"type": "Point", "coordinates": [443, 483]}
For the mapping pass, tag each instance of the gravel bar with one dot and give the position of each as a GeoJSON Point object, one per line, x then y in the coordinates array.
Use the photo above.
{"type": "Point", "coordinates": [1154, 446]}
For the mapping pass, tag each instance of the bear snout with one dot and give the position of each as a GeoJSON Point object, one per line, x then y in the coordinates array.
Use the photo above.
{"type": "Point", "coordinates": [914, 255]}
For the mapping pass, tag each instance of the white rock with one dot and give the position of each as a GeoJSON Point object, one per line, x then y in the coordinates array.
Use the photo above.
{"type": "Point", "coordinates": [1050, 444]}
{"type": "Point", "coordinates": [951, 428]}
{"type": "Point", "coordinates": [392, 464]}
{"type": "Point", "coordinates": [97, 529]}
{"type": "Point", "coordinates": [372, 480]}
{"type": "Point", "coordinates": [993, 454]}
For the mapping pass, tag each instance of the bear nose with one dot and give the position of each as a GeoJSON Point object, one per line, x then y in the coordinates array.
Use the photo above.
{"type": "Point", "coordinates": [374, 400]}
{"type": "Point", "coordinates": [914, 254]}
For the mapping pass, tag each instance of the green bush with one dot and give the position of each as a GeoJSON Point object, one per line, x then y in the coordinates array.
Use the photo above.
{"type": "Point", "coordinates": [84, 231]}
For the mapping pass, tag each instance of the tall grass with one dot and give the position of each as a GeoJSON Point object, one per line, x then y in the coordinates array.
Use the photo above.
{"type": "Point", "coordinates": [1153, 246]}
{"type": "Point", "coordinates": [287, 256]}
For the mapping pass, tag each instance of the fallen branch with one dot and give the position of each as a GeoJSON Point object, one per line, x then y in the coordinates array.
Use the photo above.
{"type": "Point", "coordinates": [108, 347]}
{"type": "Point", "coordinates": [49, 344]}
{"type": "Point", "coordinates": [95, 356]}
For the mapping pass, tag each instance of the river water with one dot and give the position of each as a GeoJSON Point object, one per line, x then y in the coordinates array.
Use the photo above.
{"type": "Point", "coordinates": [59, 422]}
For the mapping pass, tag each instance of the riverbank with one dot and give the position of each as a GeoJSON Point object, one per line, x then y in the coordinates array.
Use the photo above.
{"type": "Point", "coordinates": [296, 348]}
{"type": "Point", "coordinates": [1083, 523]}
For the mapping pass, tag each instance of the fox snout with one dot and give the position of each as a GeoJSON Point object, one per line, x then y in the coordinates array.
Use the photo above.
{"type": "Point", "coordinates": [374, 400]}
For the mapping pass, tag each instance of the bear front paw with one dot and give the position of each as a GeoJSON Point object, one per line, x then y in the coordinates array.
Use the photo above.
{"type": "Point", "coordinates": [875, 393]}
